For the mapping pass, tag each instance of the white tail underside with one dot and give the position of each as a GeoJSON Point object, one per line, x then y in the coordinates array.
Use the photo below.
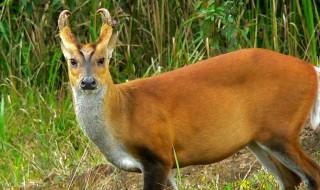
{"type": "Point", "coordinates": [315, 113]}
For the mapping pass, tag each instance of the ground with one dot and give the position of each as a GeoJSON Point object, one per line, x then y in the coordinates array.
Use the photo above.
{"type": "Point", "coordinates": [238, 167]}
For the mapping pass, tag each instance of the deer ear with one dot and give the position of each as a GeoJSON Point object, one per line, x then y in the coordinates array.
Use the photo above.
{"type": "Point", "coordinates": [69, 43]}
{"type": "Point", "coordinates": [112, 44]}
{"type": "Point", "coordinates": [65, 51]}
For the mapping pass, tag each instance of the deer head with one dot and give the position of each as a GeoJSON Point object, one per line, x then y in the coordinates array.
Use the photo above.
{"type": "Point", "coordinates": [88, 64]}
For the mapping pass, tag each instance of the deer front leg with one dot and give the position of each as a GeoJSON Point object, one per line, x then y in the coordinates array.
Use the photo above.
{"type": "Point", "coordinates": [155, 171]}
{"type": "Point", "coordinates": [171, 182]}
{"type": "Point", "coordinates": [155, 176]}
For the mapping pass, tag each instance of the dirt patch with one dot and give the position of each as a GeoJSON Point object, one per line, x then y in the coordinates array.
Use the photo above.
{"type": "Point", "coordinates": [239, 166]}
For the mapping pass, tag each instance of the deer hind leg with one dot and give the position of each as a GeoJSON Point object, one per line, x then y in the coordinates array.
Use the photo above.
{"type": "Point", "coordinates": [287, 180]}
{"type": "Point", "coordinates": [291, 155]}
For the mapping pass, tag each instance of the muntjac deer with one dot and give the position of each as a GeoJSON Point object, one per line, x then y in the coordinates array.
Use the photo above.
{"type": "Point", "coordinates": [204, 112]}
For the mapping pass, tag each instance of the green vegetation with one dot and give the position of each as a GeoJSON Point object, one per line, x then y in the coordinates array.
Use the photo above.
{"type": "Point", "coordinates": [39, 137]}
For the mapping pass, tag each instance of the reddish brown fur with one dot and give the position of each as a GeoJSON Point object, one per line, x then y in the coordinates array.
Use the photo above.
{"type": "Point", "coordinates": [234, 98]}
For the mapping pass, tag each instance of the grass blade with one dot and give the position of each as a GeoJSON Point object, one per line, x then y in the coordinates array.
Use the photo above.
{"type": "Point", "coordinates": [2, 129]}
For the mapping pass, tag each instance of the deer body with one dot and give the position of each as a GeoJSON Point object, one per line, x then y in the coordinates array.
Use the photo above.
{"type": "Point", "coordinates": [204, 112]}
{"type": "Point", "coordinates": [230, 98]}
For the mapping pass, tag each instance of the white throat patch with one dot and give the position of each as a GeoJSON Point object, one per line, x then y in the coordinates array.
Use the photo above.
{"type": "Point", "coordinates": [89, 111]}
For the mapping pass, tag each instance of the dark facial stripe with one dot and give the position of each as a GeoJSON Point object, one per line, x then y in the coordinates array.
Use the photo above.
{"type": "Point", "coordinates": [87, 55]}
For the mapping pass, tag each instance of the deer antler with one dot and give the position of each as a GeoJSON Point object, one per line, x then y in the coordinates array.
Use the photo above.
{"type": "Point", "coordinates": [63, 19]}
{"type": "Point", "coordinates": [106, 17]}
{"type": "Point", "coordinates": [106, 28]}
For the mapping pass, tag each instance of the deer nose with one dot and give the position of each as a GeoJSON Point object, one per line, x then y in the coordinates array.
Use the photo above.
{"type": "Point", "coordinates": [88, 83]}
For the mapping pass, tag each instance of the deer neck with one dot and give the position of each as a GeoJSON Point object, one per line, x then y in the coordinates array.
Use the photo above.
{"type": "Point", "coordinates": [93, 111]}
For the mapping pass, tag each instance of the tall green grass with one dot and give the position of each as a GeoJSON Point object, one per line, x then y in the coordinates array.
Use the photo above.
{"type": "Point", "coordinates": [38, 133]}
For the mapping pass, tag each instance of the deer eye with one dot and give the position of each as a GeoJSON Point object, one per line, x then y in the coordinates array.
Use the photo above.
{"type": "Point", "coordinates": [73, 63]}
{"type": "Point", "coordinates": [101, 62]}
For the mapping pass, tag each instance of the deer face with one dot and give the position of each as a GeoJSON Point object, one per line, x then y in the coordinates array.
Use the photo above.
{"type": "Point", "coordinates": [88, 64]}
